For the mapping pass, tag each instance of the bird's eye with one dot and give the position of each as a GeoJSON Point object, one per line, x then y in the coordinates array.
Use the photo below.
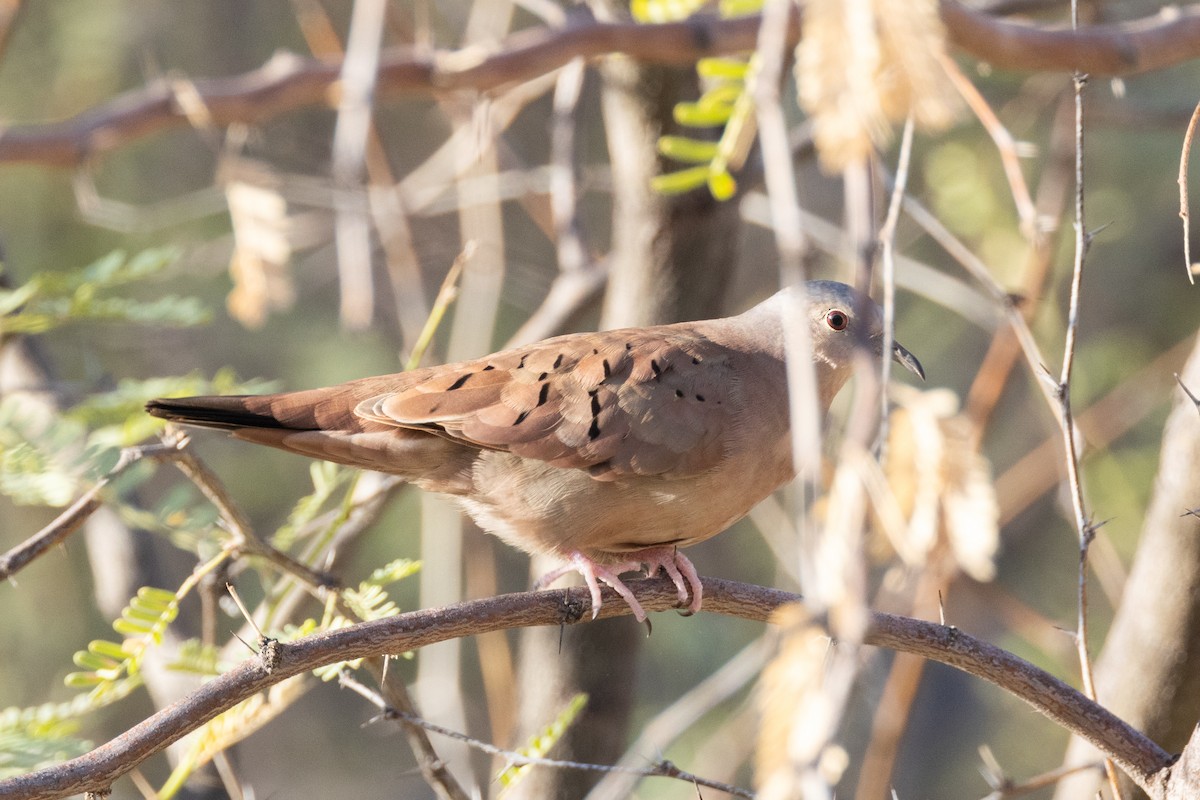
{"type": "Point", "coordinates": [837, 320]}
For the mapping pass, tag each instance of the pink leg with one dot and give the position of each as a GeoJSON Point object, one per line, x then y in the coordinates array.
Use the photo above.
{"type": "Point", "coordinates": [678, 567]}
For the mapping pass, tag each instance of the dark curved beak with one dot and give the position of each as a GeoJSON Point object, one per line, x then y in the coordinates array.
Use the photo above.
{"type": "Point", "coordinates": [907, 360]}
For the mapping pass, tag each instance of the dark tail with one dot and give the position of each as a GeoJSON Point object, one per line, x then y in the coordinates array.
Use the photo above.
{"type": "Point", "coordinates": [225, 413]}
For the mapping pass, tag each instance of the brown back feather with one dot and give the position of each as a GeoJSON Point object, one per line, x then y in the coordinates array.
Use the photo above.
{"type": "Point", "coordinates": [614, 403]}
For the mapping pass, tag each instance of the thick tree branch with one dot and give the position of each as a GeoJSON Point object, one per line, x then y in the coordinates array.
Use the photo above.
{"type": "Point", "coordinates": [288, 82]}
{"type": "Point", "coordinates": [1145, 762]}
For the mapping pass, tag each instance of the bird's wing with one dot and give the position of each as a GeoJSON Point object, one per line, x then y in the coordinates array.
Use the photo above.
{"type": "Point", "coordinates": [625, 402]}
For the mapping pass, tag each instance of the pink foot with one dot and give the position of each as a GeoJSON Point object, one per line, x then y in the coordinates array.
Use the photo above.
{"type": "Point", "coordinates": [678, 567]}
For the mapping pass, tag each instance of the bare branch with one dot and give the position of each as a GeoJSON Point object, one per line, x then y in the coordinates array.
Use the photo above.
{"type": "Point", "coordinates": [1084, 527]}
{"type": "Point", "coordinates": [288, 82]}
{"type": "Point", "coordinates": [1006, 147]}
{"type": "Point", "coordinates": [1145, 762]}
{"type": "Point", "coordinates": [1143, 45]}
{"type": "Point", "coordinates": [1005, 787]}
{"type": "Point", "coordinates": [246, 538]}
{"type": "Point", "coordinates": [75, 515]}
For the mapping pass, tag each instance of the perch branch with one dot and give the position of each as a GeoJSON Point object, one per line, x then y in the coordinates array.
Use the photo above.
{"type": "Point", "coordinates": [1145, 761]}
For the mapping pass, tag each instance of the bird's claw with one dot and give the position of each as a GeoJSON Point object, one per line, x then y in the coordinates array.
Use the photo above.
{"type": "Point", "coordinates": [677, 566]}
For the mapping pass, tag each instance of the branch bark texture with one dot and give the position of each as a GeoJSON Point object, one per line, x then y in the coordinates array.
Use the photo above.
{"type": "Point", "coordinates": [1143, 760]}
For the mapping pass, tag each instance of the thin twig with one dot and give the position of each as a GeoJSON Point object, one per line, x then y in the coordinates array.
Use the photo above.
{"type": "Point", "coordinates": [432, 766]}
{"type": "Point", "coordinates": [661, 769]}
{"type": "Point", "coordinates": [1109, 417]}
{"type": "Point", "coordinates": [245, 536]}
{"type": "Point", "coordinates": [683, 715]}
{"type": "Point", "coordinates": [1183, 194]}
{"type": "Point", "coordinates": [1005, 146]}
{"type": "Point", "coordinates": [580, 276]}
{"type": "Point", "coordinates": [975, 267]}
{"type": "Point", "coordinates": [76, 514]}
{"type": "Point", "coordinates": [887, 242]}
{"type": "Point", "coordinates": [995, 370]}
{"type": "Point", "coordinates": [357, 82]}
{"type": "Point", "coordinates": [790, 240]}
{"type": "Point", "coordinates": [1004, 787]}
{"type": "Point", "coordinates": [1083, 525]}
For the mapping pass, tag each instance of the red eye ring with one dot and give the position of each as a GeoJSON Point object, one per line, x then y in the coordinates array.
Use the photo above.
{"type": "Point", "coordinates": [837, 319]}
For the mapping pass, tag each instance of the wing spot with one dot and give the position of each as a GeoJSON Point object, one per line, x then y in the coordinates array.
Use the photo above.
{"type": "Point", "coordinates": [656, 369]}
{"type": "Point", "coordinates": [520, 418]}
{"type": "Point", "coordinates": [678, 393]}
{"type": "Point", "coordinates": [544, 394]}
{"type": "Point", "coordinates": [542, 377]}
{"type": "Point", "coordinates": [594, 429]}
{"type": "Point", "coordinates": [629, 345]}
{"type": "Point", "coordinates": [558, 361]}
{"type": "Point", "coordinates": [607, 369]}
{"type": "Point", "coordinates": [458, 384]}
{"type": "Point", "coordinates": [521, 365]}
{"type": "Point", "coordinates": [488, 367]}
{"type": "Point", "coordinates": [695, 360]}
{"type": "Point", "coordinates": [700, 397]}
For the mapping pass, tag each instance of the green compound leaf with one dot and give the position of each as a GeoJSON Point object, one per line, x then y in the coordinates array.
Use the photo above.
{"type": "Point", "coordinates": [727, 103]}
{"type": "Point", "coordinates": [52, 299]}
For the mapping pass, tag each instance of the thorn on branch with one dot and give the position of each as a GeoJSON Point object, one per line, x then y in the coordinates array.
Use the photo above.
{"type": "Point", "coordinates": [1089, 536]}
{"type": "Point", "coordinates": [1195, 400]}
{"type": "Point", "coordinates": [1099, 229]}
{"type": "Point", "coordinates": [702, 34]}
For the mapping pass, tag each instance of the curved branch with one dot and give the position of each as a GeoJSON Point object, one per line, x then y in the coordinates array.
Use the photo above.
{"type": "Point", "coordinates": [1169, 38]}
{"type": "Point", "coordinates": [1145, 762]}
{"type": "Point", "coordinates": [288, 82]}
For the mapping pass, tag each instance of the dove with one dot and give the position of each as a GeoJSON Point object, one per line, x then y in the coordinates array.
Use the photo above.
{"type": "Point", "coordinates": [609, 450]}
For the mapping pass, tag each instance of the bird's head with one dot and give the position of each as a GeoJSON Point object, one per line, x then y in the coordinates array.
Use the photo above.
{"type": "Point", "coordinates": [841, 320]}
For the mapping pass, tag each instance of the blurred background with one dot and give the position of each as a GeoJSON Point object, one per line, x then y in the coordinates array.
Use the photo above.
{"type": "Point", "coordinates": [314, 239]}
